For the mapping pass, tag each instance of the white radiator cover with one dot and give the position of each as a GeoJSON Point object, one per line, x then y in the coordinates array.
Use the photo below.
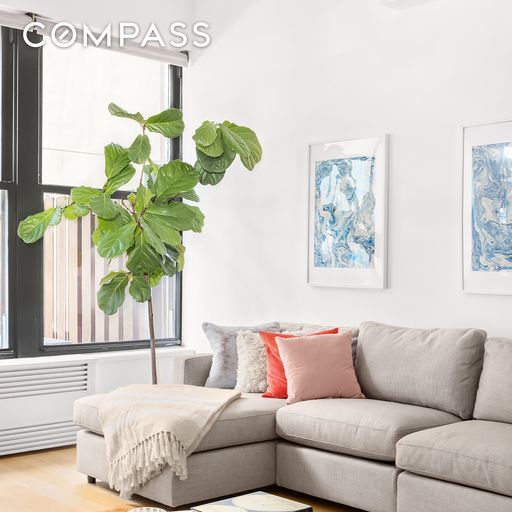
{"type": "Point", "coordinates": [43, 380]}
{"type": "Point", "coordinates": [36, 404]}
{"type": "Point", "coordinates": [37, 437]}
{"type": "Point", "coordinates": [37, 395]}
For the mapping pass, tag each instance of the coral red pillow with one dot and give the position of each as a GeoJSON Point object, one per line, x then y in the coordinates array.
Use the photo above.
{"type": "Point", "coordinates": [276, 378]}
{"type": "Point", "coordinates": [319, 367]}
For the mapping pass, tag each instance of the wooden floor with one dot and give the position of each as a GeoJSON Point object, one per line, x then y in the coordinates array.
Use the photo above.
{"type": "Point", "coordinates": [46, 481]}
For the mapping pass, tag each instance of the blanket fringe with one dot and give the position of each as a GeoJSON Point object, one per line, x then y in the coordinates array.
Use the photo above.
{"type": "Point", "coordinates": [146, 460]}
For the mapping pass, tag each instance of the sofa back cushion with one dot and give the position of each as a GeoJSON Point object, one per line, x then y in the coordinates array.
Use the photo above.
{"type": "Point", "coordinates": [437, 368]}
{"type": "Point", "coordinates": [494, 397]}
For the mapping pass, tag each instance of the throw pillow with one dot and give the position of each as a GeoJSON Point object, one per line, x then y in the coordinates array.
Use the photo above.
{"type": "Point", "coordinates": [251, 375]}
{"type": "Point", "coordinates": [223, 344]}
{"type": "Point", "coordinates": [276, 377]}
{"type": "Point", "coordinates": [319, 367]}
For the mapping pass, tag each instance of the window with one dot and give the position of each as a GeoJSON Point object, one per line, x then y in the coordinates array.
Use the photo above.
{"type": "Point", "coordinates": [72, 154]}
{"type": "Point", "coordinates": [4, 256]}
{"type": "Point", "coordinates": [72, 270]}
{"type": "Point", "coordinates": [6, 198]}
{"type": "Point", "coordinates": [48, 290]}
{"type": "Point", "coordinates": [78, 84]}
{"type": "Point", "coordinates": [4, 271]}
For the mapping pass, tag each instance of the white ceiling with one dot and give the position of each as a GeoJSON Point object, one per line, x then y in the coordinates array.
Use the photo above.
{"type": "Point", "coordinates": [405, 4]}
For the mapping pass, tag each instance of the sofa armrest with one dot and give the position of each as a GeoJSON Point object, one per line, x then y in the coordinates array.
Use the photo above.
{"type": "Point", "coordinates": [193, 369]}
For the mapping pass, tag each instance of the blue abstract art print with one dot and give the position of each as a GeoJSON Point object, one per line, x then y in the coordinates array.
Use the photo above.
{"type": "Point", "coordinates": [348, 213]}
{"type": "Point", "coordinates": [487, 209]}
{"type": "Point", "coordinates": [344, 231]}
{"type": "Point", "coordinates": [492, 207]}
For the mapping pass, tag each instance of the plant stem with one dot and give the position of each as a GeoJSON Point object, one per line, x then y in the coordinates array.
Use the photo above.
{"type": "Point", "coordinates": [152, 342]}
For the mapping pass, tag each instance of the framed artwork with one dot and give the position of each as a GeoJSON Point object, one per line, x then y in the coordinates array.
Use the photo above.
{"type": "Point", "coordinates": [487, 209]}
{"type": "Point", "coordinates": [348, 213]}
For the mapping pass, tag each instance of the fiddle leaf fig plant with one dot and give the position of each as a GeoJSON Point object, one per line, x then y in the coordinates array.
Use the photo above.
{"type": "Point", "coordinates": [146, 227]}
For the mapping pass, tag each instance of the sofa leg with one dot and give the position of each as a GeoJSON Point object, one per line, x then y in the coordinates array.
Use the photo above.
{"type": "Point", "coordinates": [91, 479]}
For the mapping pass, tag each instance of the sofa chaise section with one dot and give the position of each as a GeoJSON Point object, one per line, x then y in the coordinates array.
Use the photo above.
{"type": "Point", "coordinates": [237, 454]}
{"type": "Point", "coordinates": [211, 473]}
{"type": "Point", "coordinates": [250, 419]}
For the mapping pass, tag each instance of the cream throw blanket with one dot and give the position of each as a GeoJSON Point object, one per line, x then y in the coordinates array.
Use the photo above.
{"type": "Point", "coordinates": [148, 428]}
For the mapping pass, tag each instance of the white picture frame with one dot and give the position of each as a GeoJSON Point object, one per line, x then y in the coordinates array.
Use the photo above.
{"type": "Point", "coordinates": [337, 192]}
{"type": "Point", "coordinates": [484, 268]}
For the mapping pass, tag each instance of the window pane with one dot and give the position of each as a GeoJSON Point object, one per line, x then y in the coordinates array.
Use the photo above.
{"type": "Point", "coordinates": [4, 271]}
{"type": "Point", "coordinates": [72, 271]}
{"type": "Point", "coordinates": [78, 85]}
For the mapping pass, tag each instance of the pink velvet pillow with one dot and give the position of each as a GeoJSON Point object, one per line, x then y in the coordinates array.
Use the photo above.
{"type": "Point", "coordinates": [275, 371]}
{"type": "Point", "coordinates": [319, 366]}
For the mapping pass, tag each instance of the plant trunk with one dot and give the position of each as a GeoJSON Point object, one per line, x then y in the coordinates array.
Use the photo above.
{"type": "Point", "coordinates": [152, 342]}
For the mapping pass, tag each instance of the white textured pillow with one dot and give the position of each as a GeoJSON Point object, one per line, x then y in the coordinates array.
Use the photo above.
{"type": "Point", "coordinates": [251, 375]}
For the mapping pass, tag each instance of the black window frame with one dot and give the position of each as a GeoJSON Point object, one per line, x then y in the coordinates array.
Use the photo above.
{"type": "Point", "coordinates": [21, 67]}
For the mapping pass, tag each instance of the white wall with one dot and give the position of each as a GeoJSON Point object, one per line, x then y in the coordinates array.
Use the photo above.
{"type": "Point", "coordinates": [304, 71]}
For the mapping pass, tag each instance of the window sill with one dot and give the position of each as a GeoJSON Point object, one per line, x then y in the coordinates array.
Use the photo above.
{"type": "Point", "coordinates": [121, 355]}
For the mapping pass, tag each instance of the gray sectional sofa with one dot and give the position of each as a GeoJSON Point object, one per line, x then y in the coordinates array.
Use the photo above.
{"type": "Point", "coordinates": [433, 435]}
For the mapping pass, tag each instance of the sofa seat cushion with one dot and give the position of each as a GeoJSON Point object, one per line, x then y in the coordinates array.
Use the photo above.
{"type": "Point", "coordinates": [250, 419]}
{"type": "Point", "coordinates": [472, 453]}
{"type": "Point", "coordinates": [364, 428]}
